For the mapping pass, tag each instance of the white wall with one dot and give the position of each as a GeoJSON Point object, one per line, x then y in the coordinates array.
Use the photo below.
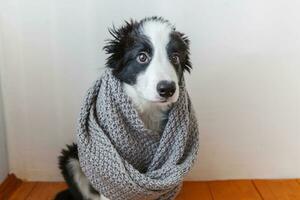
{"type": "Point", "coordinates": [245, 84]}
{"type": "Point", "coordinates": [3, 147]}
{"type": "Point", "coordinates": [3, 150]}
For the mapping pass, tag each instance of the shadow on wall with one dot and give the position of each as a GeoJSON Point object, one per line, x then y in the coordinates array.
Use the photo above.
{"type": "Point", "coordinates": [3, 149]}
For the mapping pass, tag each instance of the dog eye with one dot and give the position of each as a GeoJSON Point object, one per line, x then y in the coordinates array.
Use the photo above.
{"type": "Point", "coordinates": [143, 58]}
{"type": "Point", "coordinates": [175, 59]}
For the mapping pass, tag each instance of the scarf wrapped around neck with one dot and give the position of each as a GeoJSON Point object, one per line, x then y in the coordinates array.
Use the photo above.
{"type": "Point", "coordinates": [124, 160]}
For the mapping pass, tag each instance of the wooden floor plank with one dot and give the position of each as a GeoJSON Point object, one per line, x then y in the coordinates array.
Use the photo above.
{"type": "Point", "coordinates": [233, 190]}
{"type": "Point", "coordinates": [194, 191]}
{"type": "Point", "coordinates": [23, 191]}
{"type": "Point", "coordinates": [10, 184]}
{"type": "Point", "coordinates": [46, 191]}
{"type": "Point", "coordinates": [298, 181]}
{"type": "Point", "coordinates": [214, 190]}
{"type": "Point", "coordinates": [278, 189]}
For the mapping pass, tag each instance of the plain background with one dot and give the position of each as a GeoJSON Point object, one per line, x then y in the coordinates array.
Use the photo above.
{"type": "Point", "coordinates": [245, 85]}
{"type": "Point", "coordinates": [3, 149]}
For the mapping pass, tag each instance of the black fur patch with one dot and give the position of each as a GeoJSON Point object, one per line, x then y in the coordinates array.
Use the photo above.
{"type": "Point", "coordinates": [179, 44]}
{"type": "Point", "coordinates": [123, 49]}
{"type": "Point", "coordinates": [64, 195]}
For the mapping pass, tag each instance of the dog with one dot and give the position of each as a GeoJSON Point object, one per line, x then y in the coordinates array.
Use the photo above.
{"type": "Point", "coordinates": [149, 57]}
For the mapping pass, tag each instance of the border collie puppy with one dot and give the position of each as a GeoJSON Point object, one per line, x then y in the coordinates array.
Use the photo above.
{"type": "Point", "coordinates": [149, 58]}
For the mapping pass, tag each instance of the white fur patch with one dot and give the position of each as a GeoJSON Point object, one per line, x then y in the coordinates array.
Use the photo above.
{"type": "Point", "coordinates": [103, 198]}
{"type": "Point", "coordinates": [151, 113]}
{"type": "Point", "coordinates": [144, 93]}
{"type": "Point", "coordinates": [160, 67]}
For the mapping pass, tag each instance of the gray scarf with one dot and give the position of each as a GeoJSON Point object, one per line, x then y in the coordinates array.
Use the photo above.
{"type": "Point", "coordinates": [124, 160]}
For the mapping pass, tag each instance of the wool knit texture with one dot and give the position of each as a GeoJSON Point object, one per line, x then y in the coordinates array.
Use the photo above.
{"type": "Point", "coordinates": [124, 160]}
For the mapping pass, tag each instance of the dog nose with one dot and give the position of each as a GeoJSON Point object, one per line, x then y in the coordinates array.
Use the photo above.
{"type": "Point", "coordinates": [166, 88]}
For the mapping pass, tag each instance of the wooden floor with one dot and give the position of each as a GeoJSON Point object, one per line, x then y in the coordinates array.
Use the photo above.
{"type": "Point", "coordinates": [212, 190]}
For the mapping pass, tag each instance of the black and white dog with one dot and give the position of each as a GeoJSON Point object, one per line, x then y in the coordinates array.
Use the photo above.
{"type": "Point", "coordinates": [149, 57]}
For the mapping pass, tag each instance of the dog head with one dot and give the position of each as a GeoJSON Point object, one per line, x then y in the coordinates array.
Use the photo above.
{"type": "Point", "coordinates": [149, 57]}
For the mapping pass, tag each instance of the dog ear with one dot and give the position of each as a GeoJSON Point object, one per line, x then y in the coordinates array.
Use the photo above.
{"type": "Point", "coordinates": [187, 63]}
{"type": "Point", "coordinates": [115, 47]}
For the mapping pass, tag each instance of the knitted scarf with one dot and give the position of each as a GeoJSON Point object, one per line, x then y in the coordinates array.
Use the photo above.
{"type": "Point", "coordinates": [124, 160]}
